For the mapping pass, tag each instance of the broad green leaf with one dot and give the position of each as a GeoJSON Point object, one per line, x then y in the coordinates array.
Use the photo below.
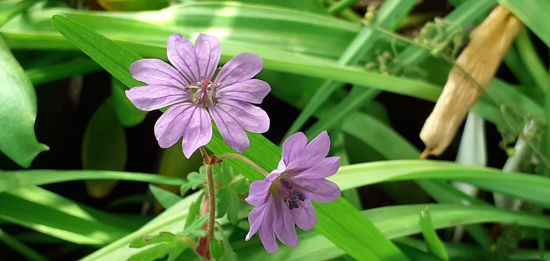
{"type": "Point", "coordinates": [103, 148]}
{"type": "Point", "coordinates": [132, 5]}
{"type": "Point", "coordinates": [164, 197]}
{"type": "Point", "coordinates": [153, 253]}
{"type": "Point", "coordinates": [523, 186]}
{"type": "Point", "coordinates": [47, 219]}
{"type": "Point", "coordinates": [276, 59]}
{"type": "Point", "coordinates": [47, 198]}
{"type": "Point", "coordinates": [532, 61]}
{"type": "Point", "coordinates": [112, 57]}
{"type": "Point", "coordinates": [128, 115]}
{"type": "Point", "coordinates": [11, 180]}
{"type": "Point", "coordinates": [8, 13]}
{"type": "Point", "coordinates": [151, 240]}
{"type": "Point", "coordinates": [434, 243]}
{"type": "Point", "coordinates": [48, 73]}
{"type": "Point", "coordinates": [172, 219]}
{"type": "Point", "coordinates": [17, 111]}
{"type": "Point", "coordinates": [399, 221]}
{"type": "Point", "coordinates": [532, 13]}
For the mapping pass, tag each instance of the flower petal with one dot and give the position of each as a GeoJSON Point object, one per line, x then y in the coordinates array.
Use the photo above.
{"type": "Point", "coordinates": [322, 169]}
{"type": "Point", "coordinates": [313, 152]}
{"type": "Point", "coordinates": [168, 128]}
{"type": "Point", "coordinates": [284, 225]}
{"type": "Point", "coordinates": [320, 190]}
{"type": "Point", "coordinates": [198, 131]}
{"type": "Point", "coordinates": [153, 97]}
{"type": "Point", "coordinates": [258, 194]}
{"type": "Point", "coordinates": [293, 146]}
{"type": "Point", "coordinates": [248, 116]}
{"type": "Point", "coordinates": [208, 52]}
{"type": "Point", "coordinates": [241, 67]}
{"type": "Point", "coordinates": [156, 72]}
{"type": "Point", "coordinates": [267, 235]}
{"type": "Point", "coordinates": [255, 218]}
{"type": "Point", "coordinates": [305, 216]}
{"type": "Point", "coordinates": [252, 91]}
{"type": "Point", "coordinates": [188, 120]}
{"type": "Point", "coordinates": [233, 117]}
{"type": "Point", "coordinates": [182, 55]}
{"type": "Point", "coordinates": [232, 133]}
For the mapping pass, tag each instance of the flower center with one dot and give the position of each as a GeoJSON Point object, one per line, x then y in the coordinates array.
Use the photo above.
{"type": "Point", "coordinates": [204, 92]}
{"type": "Point", "coordinates": [290, 195]}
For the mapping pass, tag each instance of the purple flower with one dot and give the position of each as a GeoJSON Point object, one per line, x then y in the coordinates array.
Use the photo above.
{"type": "Point", "coordinates": [283, 198]}
{"type": "Point", "coordinates": [196, 98]}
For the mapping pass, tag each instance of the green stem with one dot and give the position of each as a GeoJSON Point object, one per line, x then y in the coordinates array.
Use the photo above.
{"type": "Point", "coordinates": [243, 159]}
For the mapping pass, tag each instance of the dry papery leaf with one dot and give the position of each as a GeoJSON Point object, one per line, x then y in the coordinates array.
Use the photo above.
{"type": "Point", "coordinates": [481, 58]}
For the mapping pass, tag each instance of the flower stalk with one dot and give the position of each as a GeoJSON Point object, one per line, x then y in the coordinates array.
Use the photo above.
{"type": "Point", "coordinates": [476, 67]}
{"type": "Point", "coordinates": [208, 163]}
{"type": "Point", "coordinates": [243, 159]}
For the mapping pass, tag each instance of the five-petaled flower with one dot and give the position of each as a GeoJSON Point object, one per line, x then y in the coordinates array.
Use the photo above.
{"type": "Point", "coordinates": [283, 198]}
{"type": "Point", "coordinates": [196, 98]}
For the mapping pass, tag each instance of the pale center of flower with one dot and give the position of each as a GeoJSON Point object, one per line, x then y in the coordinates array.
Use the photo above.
{"type": "Point", "coordinates": [204, 92]}
{"type": "Point", "coordinates": [288, 192]}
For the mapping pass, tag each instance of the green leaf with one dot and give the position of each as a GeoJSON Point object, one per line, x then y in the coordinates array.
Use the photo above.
{"type": "Point", "coordinates": [194, 228]}
{"type": "Point", "coordinates": [391, 11]}
{"type": "Point", "coordinates": [195, 180]}
{"type": "Point", "coordinates": [435, 245]}
{"type": "Point", "coordinates": [523, 186]}
{"type": "Point", "coordinates": [170, 220]}
{"type": "Point", "coordinates": [164, 197]}
{"type": "Point", "coordinates": [223, 173]}
{"type": "Point", "coordinates": [153, 253]}
{"type": "Point", "coordinates": [532, 61]}
{"type": "Point", "coordinates": [399, 221]}
{"type": "Point", "coordinates": [463, 15]}
{"type": "Point", "coordinates": [132, 5]}
{"type": "Point", "coordinates": [49, 220]}
{"type": "Point", "coordinates": [20, 247]}
{"type": "Point", "coordinates": [162, 237]}
{"type": "Point", "coordinates": [217, 249]}
{"type": "Point", "coordinates": [103, 148]}
{"type": "Point", "coordinates": [128, 115]}
{"type": "Point", "coordinates": [194, 212]}
{"type": "Point", "coordinates": [47, 73]}
{"type": "Point", "coordinates": [112, 57]}
{"type": "Point", "coordinates": [8, 13]}
{"type": "Point", "coordinates": [532, 13]}
{"type": "Point", "coordinates": [276, 59]}
{"type": "Point", "coordinates": [11, 180]}
{"type": "Point", "coordinates": [228, 203]}
{"type": "Point", "coordinates": [17, 111]}
{"type": "Point", "coordinates": [47, 198]}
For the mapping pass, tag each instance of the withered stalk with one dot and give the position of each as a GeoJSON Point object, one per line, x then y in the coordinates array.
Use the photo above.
{"type": "Point", "coordinates": [480, 59]}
